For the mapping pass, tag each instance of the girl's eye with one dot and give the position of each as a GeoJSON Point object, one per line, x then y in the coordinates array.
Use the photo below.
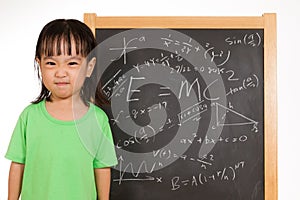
{"type": "Point", "coordinates": [50, 63]}
{"type": "Point", "coordinates": [73, 64]}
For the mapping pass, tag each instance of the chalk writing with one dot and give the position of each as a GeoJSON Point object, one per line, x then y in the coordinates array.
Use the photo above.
{"type": "Point", "coordinates": [243, 119]}
{"type": "Point", "coordinates": [191, 112]}
{"type": "Point", "coordinates": [211, 53]}
{"type": "Point", "coordinates": [253, 40]}
{"type": "Point", "coordinates": [250, 82]}
{"type": "Point", "coordinates": [225, 174]}
{"type": "Point", "coordinates": [126, 47]}
{"type": "Point", "coordinates": [135, 172]}
{"type": "Point", "coordinates": [207, 140]}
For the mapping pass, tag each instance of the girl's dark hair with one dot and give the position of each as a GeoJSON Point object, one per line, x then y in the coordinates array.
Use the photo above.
{"type": "Point", "coordinates": [64, 31]}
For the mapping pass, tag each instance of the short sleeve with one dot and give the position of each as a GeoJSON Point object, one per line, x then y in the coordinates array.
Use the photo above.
{"type": "Point", "coordinates": [16, 151]}
{"type": "Point", "coordinates": [106, 155]}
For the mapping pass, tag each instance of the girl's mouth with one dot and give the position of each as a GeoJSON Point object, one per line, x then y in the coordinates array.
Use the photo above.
{"type": "Point", "coordinates": [61, 83]}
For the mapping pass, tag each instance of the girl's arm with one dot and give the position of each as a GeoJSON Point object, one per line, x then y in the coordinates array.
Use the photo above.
{"type": "Point", "coordinates": [15, 180]}
{"type": "Point", "coordinates": [102, 176]}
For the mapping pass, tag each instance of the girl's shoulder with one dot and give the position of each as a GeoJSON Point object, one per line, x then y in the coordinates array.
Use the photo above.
{"type": "Point", "coordinates": [98, 111]}
{"type": "Point", "coordinates": [32, 108]}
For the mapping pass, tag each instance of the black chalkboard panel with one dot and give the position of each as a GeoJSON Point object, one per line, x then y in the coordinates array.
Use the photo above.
{"type": "Point", "coordinates": [186, 110]}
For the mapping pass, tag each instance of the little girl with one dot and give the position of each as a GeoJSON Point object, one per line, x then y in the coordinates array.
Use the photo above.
{"type": "Point", "coordinates": [62, 146]}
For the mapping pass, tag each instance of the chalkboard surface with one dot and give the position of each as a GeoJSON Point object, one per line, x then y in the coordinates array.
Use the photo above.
{"type": "Point", "coordinates": [186, 111]}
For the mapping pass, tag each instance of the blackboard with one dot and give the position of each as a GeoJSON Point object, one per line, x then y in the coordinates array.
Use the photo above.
{"type": "Point", "coordinates": [187, 111]}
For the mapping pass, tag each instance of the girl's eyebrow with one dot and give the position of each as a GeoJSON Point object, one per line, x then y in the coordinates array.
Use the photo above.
{"type": "Point", "coordinates": [75, 58]}
{"type": "Point", "coordinates": [47, 57]}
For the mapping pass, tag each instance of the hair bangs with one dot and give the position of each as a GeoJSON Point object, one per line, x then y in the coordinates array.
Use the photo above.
{"type": "Point", "coordinates": [60, 42]}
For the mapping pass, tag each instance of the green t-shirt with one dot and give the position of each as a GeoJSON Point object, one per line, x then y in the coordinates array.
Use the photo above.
{"type": "Point", "coordinates": [60, 156]}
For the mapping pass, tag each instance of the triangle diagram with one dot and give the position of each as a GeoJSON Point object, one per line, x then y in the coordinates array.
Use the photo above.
{"type": "Point", "coordinates": [229, 117]}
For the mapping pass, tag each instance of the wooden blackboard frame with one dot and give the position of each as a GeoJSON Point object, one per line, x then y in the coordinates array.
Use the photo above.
{"type": "Point", "coordinates": [267, 22]}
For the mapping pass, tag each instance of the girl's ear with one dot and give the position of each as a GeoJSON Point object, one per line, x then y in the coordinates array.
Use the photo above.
{"type": "Point", "coordinates": [37, 62]}
{"type": "Point", "coordinates": [90, 67]}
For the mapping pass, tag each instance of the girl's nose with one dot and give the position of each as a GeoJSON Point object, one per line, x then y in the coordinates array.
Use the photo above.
{"type": "Point", "coordinates": [61, 72]}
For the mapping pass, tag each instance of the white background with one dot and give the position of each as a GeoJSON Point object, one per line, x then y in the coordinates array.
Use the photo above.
{"type": "Point", "coordinates": [21, 22]}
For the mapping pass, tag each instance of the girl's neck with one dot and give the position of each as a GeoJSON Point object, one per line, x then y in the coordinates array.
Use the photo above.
{"type": "Point", "coordinates": [66, 109]}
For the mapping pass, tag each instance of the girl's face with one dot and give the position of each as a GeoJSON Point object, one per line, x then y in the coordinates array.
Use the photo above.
{"type": "Point", "coordinates": [63, 75]}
